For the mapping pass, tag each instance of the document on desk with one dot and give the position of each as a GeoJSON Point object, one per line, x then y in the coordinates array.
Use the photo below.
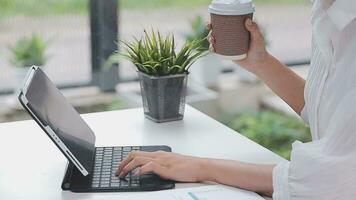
{"type": "Point", "coordinates": [212, 192]}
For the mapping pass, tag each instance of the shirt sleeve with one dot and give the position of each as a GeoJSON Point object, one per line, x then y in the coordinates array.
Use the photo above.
{"type": "Point", "coordinates": [322, 169]}
{"type": "Point", "coordinates": [280, 181]}
{"type": "Point", "coordinates": [342, 12]}
{"type": "Point", "coordinates": [304, 115]}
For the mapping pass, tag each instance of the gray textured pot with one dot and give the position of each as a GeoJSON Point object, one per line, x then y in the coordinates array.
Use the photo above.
{"type": "Point", "coordinates": [163, 97]}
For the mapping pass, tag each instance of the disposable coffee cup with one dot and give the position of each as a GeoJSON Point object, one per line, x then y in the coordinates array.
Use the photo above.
{"type": "Point", "coordinates": [228, 18]}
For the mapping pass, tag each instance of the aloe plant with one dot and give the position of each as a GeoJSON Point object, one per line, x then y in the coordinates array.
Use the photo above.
{"type": "Point", "coordinates": [156, 55]}
{"type": "Point", "coordinates": [28, 51]}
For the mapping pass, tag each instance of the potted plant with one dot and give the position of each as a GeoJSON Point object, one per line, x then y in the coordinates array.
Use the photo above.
{"type": "Point", "coordinates": [207, 69]}
{"type": "Point", "coordinates": [162, 72]}
{"type": "Point", "coordinates": [25, 53]}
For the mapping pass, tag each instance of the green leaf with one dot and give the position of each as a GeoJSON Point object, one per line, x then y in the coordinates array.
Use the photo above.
{"type": "Point", "coordinates": [156, 55]}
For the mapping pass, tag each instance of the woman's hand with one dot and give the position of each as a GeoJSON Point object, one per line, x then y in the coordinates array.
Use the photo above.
{"type": "Point", "coordinates": [257, 54]}
{"type": "Point", "coordinates": [182, 168]}
{"type": "Point", "coordinates": [167, 165]}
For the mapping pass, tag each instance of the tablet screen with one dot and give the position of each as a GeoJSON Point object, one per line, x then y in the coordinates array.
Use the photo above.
{"type": "Point", "coordinates": [52, 109]}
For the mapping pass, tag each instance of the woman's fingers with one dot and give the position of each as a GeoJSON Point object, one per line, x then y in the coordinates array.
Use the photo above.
{"type": "Point", "coordinates": [209, 26]}
{"type": "Point", "coordinates": [254, 30]}
{"type": "Point", "coordinates": [136, 162]}
{"type": "Point", "coordinates": [211, 40]}
{"type": "Point", "coordinates": [211, 48]}
{"type": "Point", "coordinates": [133, 155]}
{"type": "Point", "coordinates": [155, 168]}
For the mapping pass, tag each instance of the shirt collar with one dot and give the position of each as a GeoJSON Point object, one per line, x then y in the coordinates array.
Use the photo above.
{"type": "Point", "coordinates": [342, 12]}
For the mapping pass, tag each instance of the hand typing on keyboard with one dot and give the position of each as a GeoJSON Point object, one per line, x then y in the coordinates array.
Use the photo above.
{"type": "Point", "coordinates": [107, 159]}
{"type": "Point", "coordinates": [167, 165]}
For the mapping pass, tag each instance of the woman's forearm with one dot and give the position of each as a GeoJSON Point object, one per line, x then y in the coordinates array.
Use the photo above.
{"type": "Point", "coordinates": [253, 177]}
{"type": "Point", "coordinates": [283, 81]}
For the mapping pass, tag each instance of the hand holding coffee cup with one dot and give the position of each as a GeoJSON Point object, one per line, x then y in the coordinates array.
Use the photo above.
{"type": "Point", "coordinates": [228, 27]}
{"type": "Point", "coordinates": [252, 54]}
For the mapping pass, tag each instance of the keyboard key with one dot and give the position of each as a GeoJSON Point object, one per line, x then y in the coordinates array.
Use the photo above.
{"type": "Point", "coordinates": [135, 185]}
{"type": "Point", "coordinates": [95, 185]}
{"type": "Point", "coordinates": [124, 184]}
{"type": "Point", "coordinates": [105, 170]}
{"type": "Point", "coordinates": [115, 184]}
{"type": "Point", "coordinates": [104, 185]}
{"type": "Point", "coordinates": [115, 180]}
{"type": "Point", "coordinates": [126, 149]}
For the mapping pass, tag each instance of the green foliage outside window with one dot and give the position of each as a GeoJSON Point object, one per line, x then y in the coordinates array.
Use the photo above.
{"type": "Point", "coordinates": [273, 130]}
{"type": "Point", "coordinates": [59, 7]}
{"type": "Point", "coordinates": [199, 31]}
{"type": "Point", "coordinates": [28, 51]}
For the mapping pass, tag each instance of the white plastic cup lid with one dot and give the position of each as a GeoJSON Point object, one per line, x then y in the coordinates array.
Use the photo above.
{"type": "Point", "coordinates": [231, 7]}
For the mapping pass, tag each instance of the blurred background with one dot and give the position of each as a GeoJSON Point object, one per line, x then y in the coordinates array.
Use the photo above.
{"type": "Point", "coordinates": [72, 39]}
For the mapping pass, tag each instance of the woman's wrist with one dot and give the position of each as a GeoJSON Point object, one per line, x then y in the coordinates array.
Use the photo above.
{"type": "Point", "coordinates": [260, 67]}
{"type": "Point", "coordinates": [205, 170]}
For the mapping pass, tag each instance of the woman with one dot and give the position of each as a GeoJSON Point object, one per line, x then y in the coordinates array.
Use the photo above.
{"type": "Point", "coordinates": [322, 169]}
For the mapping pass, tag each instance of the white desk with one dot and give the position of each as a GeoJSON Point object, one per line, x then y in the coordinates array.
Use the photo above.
{"type": "Point", "coordinates": [32, 168]}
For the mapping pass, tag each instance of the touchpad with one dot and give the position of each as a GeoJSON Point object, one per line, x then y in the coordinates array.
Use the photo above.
{"type": "Point", "coordinates": [151, 180]}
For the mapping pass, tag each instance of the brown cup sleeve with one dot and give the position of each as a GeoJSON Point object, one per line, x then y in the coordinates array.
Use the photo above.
{"type": "Point", "coordinates": [230, 34]}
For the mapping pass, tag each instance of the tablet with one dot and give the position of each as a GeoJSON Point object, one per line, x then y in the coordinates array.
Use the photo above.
{"type": "Point", "coordinates": [58, 119]}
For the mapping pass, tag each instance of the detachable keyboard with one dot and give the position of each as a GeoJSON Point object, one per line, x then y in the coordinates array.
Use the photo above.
{"type": "Point", "coordinates": [107, 160]}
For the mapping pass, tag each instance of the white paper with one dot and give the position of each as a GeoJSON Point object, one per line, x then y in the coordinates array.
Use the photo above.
{"type": "Point", "coordinates": [212, 192]}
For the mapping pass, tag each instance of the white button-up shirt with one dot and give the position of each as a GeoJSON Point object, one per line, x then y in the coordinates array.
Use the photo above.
{"type": "Point", "coordinates": [326, 167]}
